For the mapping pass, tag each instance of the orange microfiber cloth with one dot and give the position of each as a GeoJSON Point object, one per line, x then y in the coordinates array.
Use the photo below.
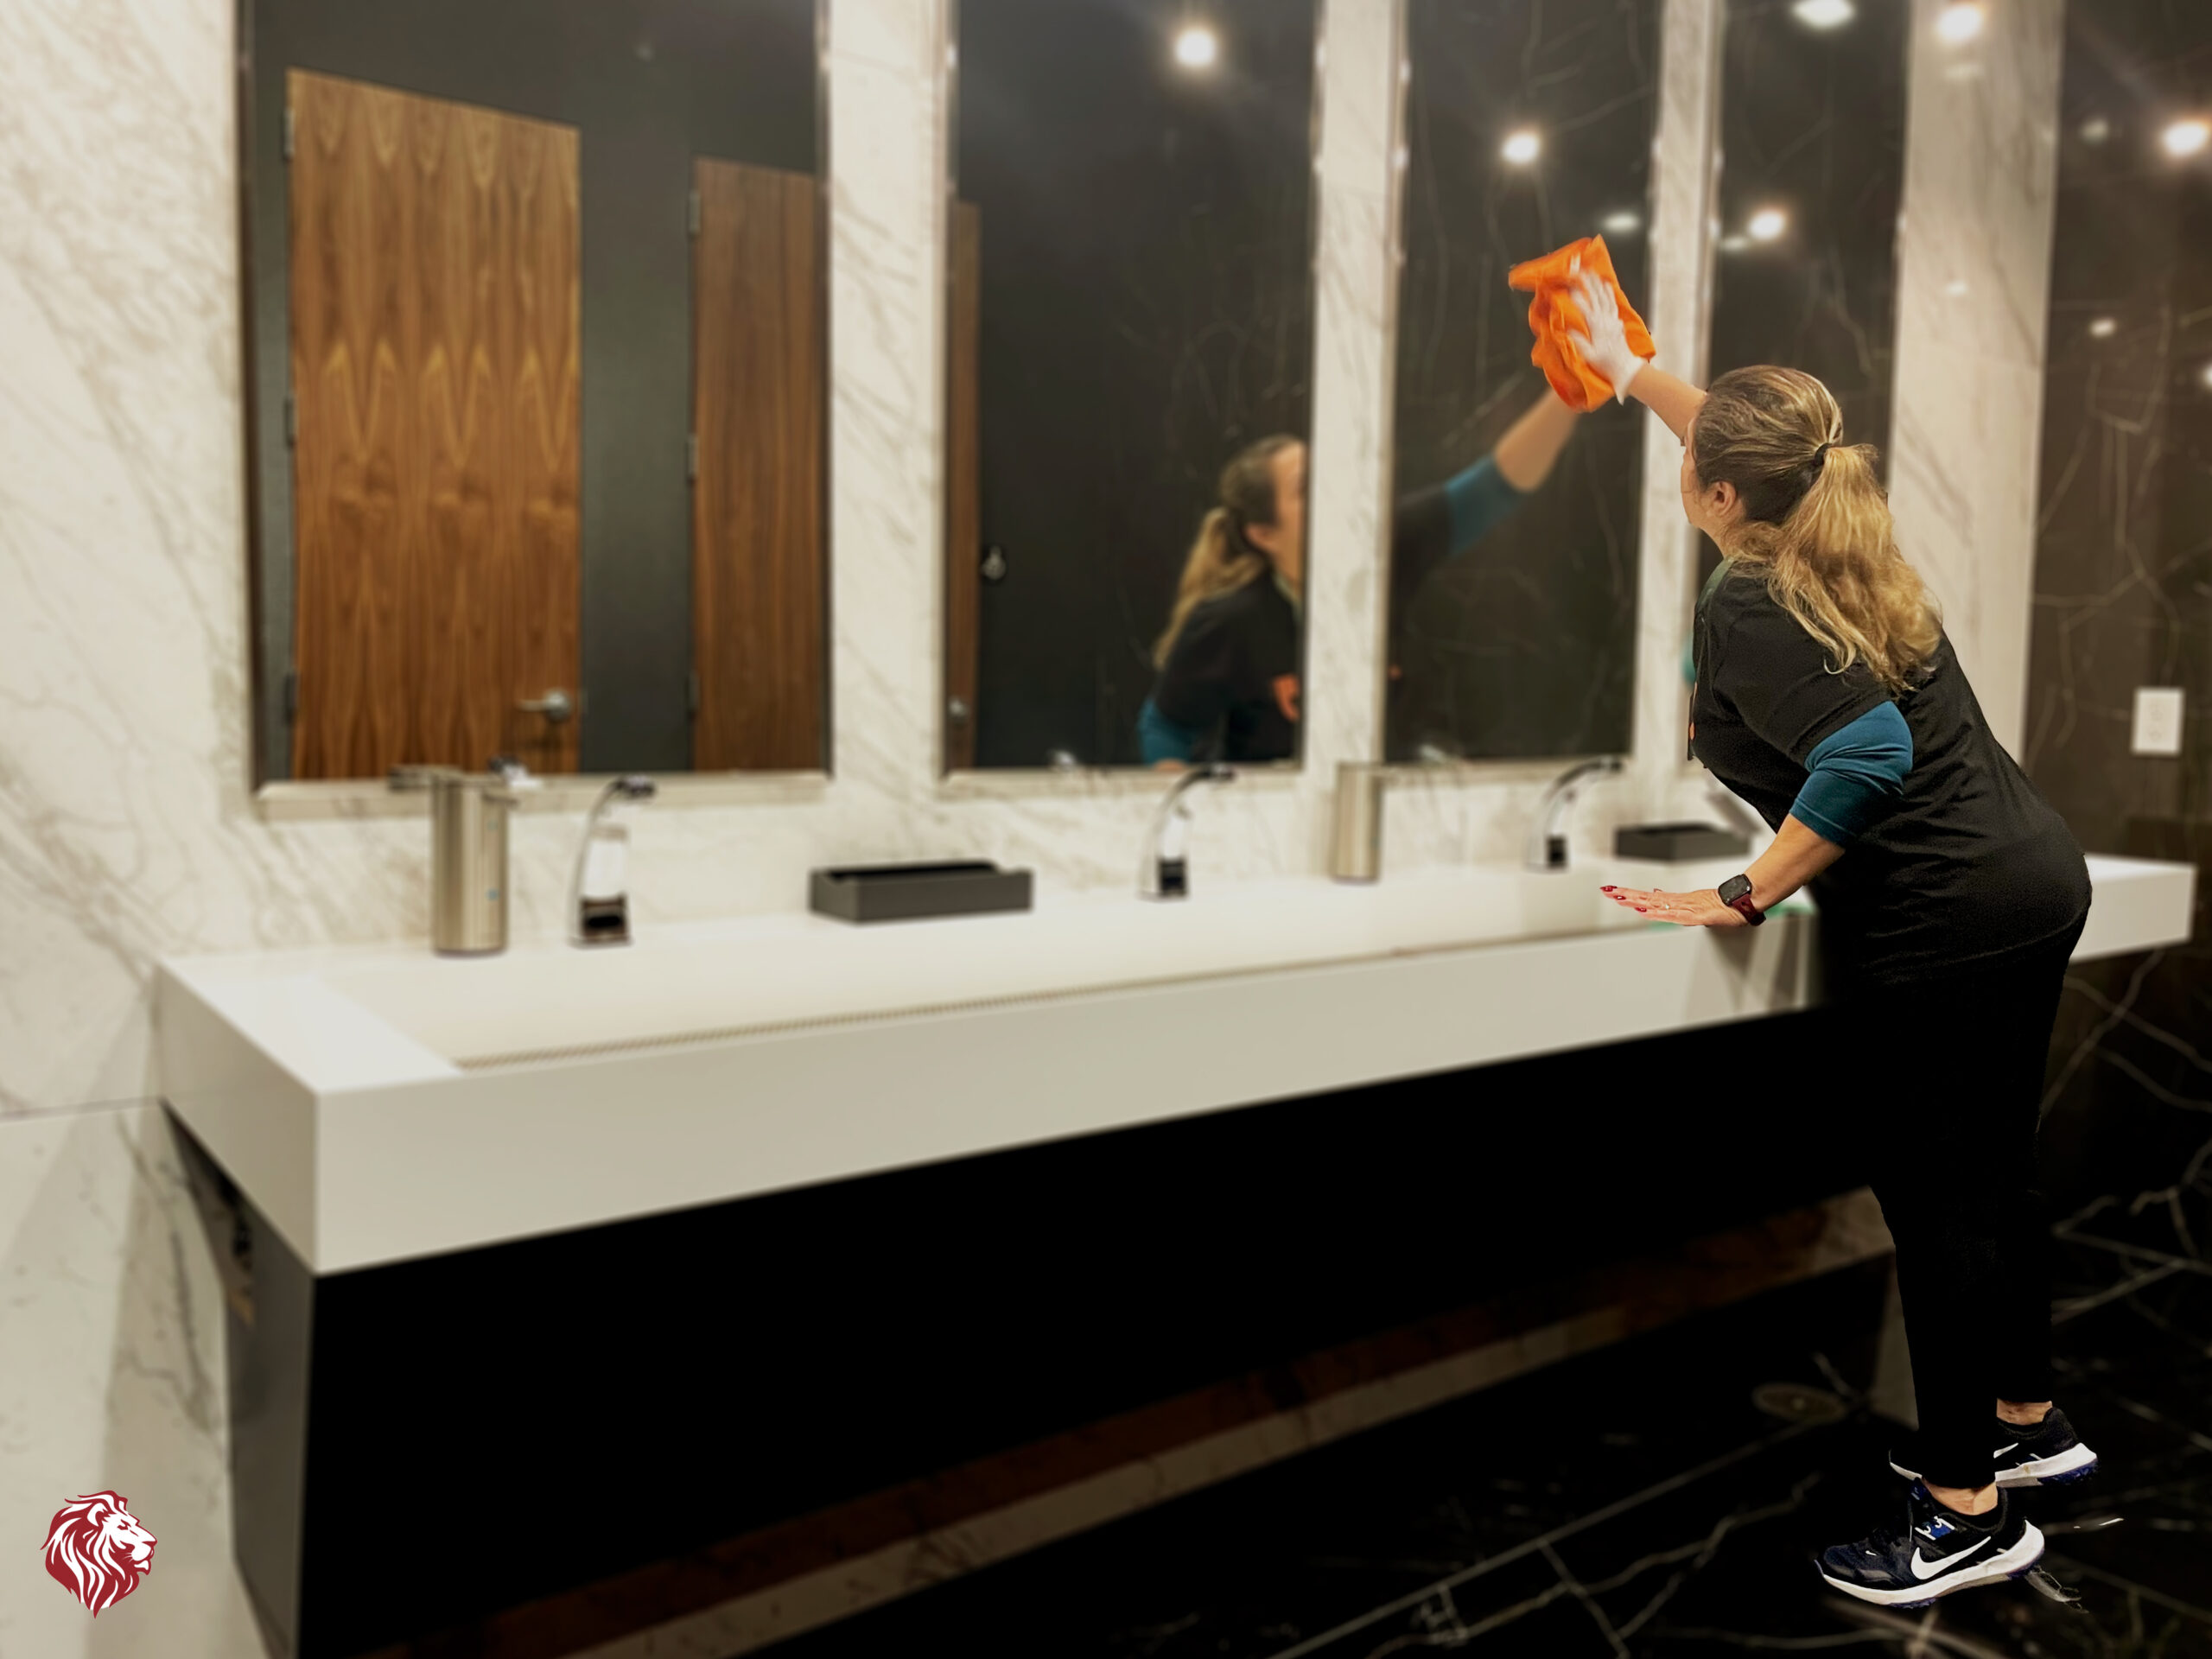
{"type": "Point", "coordinates": [1554, 314]}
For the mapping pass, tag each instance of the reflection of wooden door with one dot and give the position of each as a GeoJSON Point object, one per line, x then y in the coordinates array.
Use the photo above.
{"type": "Point", "coordinates": [435, 363]}
{"type": "Point", "coordinates": [756, 505]}
{"type": "Point", "coordinates": [963, 474]}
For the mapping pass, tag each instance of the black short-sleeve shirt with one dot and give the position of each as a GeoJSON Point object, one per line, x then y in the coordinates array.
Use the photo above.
{"type": "Point", "coordinates": [1969, 862]}
{"type": "Point", "coordinates": [1234, 671]}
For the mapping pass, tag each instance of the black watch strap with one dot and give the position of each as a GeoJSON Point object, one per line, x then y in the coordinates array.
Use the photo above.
{"type": "Point", "coordinates": [1736, 894]}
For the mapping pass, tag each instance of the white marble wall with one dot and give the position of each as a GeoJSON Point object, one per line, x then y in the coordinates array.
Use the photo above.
{"type": "Point", "coordinates": [1973, 295]}
{"type": "Point", "coordinates": [127, 825]}
{"type": "Point", "coordinates": [111, 1377]}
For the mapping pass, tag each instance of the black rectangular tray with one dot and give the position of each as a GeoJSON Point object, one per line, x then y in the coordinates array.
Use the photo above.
{"type": "Point", "coordinates": [911, 893]}
{"type": "Point", "coordinates": [1672, 843]}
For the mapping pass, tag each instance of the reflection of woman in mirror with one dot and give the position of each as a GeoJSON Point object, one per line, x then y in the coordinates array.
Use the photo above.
{"type": "Point", "coordinates": [1228, 659]}
{"type": "Point", "coordinates": [1951, 895]}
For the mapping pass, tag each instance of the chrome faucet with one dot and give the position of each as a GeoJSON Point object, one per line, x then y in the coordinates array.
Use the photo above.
{"type": "Point", "coordinates": [1165, 873]}
{"type": "Point", "coordinates": [599, 897]}
{"type": "Point", "coordinates": [1548, 834]}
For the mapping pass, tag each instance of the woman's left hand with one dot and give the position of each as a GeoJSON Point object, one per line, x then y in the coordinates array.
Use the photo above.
{"type": "Point", "coordinates": [1683, 909]}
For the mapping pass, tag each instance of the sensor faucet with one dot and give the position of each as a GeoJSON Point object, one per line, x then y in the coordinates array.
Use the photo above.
{"type": "Point", "coordinates": [599, 897]}
{"type": "Point", "coordinates": [1165, 873]}
{"type": "Point", "coordinates": [1548, 834]}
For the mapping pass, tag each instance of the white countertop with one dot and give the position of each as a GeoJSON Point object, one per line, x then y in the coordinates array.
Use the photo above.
{"type": "Point", "coordinates": [382, 1102]}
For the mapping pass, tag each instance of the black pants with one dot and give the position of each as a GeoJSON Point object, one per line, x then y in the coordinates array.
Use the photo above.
{"type": "Point", "coordinates": [1953, 1074]}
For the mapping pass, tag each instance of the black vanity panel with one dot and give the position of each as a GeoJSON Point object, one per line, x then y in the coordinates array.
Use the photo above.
{"type": "Point", "coordinates": [601, 1400]}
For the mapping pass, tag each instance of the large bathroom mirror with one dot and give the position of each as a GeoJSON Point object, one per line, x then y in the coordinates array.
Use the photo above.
{"type": "Point", "coordinates": [536, 307]}
{"type": "Point", "coordinates": [1127, 369]}
{"type": "Point", "coordinates": [1513, 524]}
{"type": "Point", "coordinates": [1812, 177]}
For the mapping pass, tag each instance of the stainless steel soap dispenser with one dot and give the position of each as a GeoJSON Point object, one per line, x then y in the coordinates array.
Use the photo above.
{"type": "Point", "coordinates": [469, 854]}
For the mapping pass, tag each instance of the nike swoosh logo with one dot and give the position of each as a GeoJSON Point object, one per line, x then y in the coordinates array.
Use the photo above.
{"type": "Point", "coordinates": [1923, 1569]}
{"type": "Point", "coordinates": [2002, 1450]}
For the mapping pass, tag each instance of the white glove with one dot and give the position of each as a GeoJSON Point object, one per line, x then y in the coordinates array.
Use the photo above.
{"type": "Point", "coordinates": [1604, 348]}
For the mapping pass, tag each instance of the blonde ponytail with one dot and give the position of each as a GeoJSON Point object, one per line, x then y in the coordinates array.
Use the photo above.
{"type": "Point", "coordinates": [1816, 523]}
{"type": "Point", "coordinates": [1221, 561]}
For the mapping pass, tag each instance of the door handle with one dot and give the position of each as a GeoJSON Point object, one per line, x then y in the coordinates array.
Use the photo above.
{"type": "Point", "coordinates": [556, 705]}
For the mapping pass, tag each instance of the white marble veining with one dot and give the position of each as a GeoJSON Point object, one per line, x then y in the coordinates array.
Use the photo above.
{"type": "Point", "coordinates": [1974, 286]}
{"type": "Point", "coordinates": [111, 1323]}
{"type": "Point", "coordinates": [1683, 176]}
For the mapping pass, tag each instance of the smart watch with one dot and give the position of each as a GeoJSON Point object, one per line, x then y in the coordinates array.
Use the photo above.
{"type": "Point", "coordinates": [1736, 894]}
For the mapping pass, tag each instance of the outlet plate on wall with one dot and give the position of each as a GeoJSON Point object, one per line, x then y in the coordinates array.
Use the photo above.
{"type": "Point", "coordinates": [2157, 727]}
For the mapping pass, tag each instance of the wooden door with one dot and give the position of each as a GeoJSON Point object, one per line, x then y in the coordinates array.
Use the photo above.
{"type": "Point", "coordinates": [964, 489]}
{"type": "Point", "coordinates": [436, 339]}
{"type": "Point", "coordinates": [756, 507]}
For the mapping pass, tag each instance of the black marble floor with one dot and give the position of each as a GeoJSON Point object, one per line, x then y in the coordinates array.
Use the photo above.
{"type": "Point", "coordinates": [1659, 1498]}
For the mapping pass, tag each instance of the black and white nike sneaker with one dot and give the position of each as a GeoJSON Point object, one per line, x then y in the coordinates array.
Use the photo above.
{"type": "Point", "coordinates": [2046, 1455]}
{"type": "Point", "coordinates": [1934, 1553]}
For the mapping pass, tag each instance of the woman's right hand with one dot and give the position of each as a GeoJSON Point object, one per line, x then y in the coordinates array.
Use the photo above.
{"type": "Point", "coordinates": [1603, 340]}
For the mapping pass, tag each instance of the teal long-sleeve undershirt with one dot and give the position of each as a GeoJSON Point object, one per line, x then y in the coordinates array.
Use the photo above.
{"type": "Point", "coordinates": [1480, 499]}
{"type": "Point", "coordinates": [1853, 773]}
{"type": "Point", "coordinates": [1161, 738]}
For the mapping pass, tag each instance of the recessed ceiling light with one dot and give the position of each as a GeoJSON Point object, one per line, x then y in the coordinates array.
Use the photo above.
{"type": "Point", "coordinates": [1823, 14]}
{"type": "Point", "coordinates": [2103, 327]}
{"type": "Point", "coordinates": [2095, 130]}
{"type": "Point", "coordinates": [1521, 147]}
{"type": "Point", "coordinates": [1621, 224]}
{"type": "Point", "coordinates": [1960, 21]}
{"type": "Point", "coordinates": [2185, 137]}
{"type": "Point", "coordinates": [1196, 47]}
{"type": "Point", "coordinates": [1767, 224]}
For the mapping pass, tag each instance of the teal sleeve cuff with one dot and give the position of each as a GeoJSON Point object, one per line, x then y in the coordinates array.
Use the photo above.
{"type": "Point", "coordinates": [1161, 738]}
{"type": "Point", "coordinates": [1853, 773]}
{"type": "Point", "coordinates": [1480, 500]}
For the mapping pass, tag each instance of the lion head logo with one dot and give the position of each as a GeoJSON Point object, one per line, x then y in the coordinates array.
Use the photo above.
{"type": "Point", "coordinates": [97, 1550]}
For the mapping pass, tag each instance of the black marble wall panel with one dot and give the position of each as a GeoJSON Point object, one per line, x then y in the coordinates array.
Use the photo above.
{"type": "Point", "coordinates": [1147, 311]}
{"type": "Point", "coordinates": [2124, 599]}
{"type": "Point", "coordinates": [1525, 643]}
{"type": "Point", "coordinates": [1812, 129]}
{"type": "Point", "coordinates": [650, 84]}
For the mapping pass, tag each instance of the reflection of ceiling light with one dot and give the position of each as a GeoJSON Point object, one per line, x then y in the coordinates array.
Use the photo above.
{"type": "Point", "coordinates": [1521, 147]}
{"type": "Point", "coordinates": [2095, 130]}
{"type": "Point", "coordinates": [1196, 47]}
{"type": "Point", "coordinates": [2185, 137]}
{"type": "Point", "coordinates": [1956, 287]}
{"type": "Point", "coordinates": [1621, 224]}
{"type": "Point", "coordinates": [2205, 374]}
{"type": "Point", "coordinates": [1960, 21]}
{"type": "Point", "coordinates": [1823, 14]}
{"type": "Point", "coordinates": [1734, 244]}
{"type": "Point", "coordinates": [2103, 327]}
{"type": "Point", "coordinates": [1767, 224]}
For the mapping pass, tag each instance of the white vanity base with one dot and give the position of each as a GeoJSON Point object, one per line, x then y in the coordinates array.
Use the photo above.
{"type": "Point", "coordinates": [383, 1104]}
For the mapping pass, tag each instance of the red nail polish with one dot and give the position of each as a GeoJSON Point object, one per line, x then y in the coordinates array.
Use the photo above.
{"type": "Point", "coordinates": [1609, 889]}
{"type": "Point", "coordinates": [1642, 910]}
